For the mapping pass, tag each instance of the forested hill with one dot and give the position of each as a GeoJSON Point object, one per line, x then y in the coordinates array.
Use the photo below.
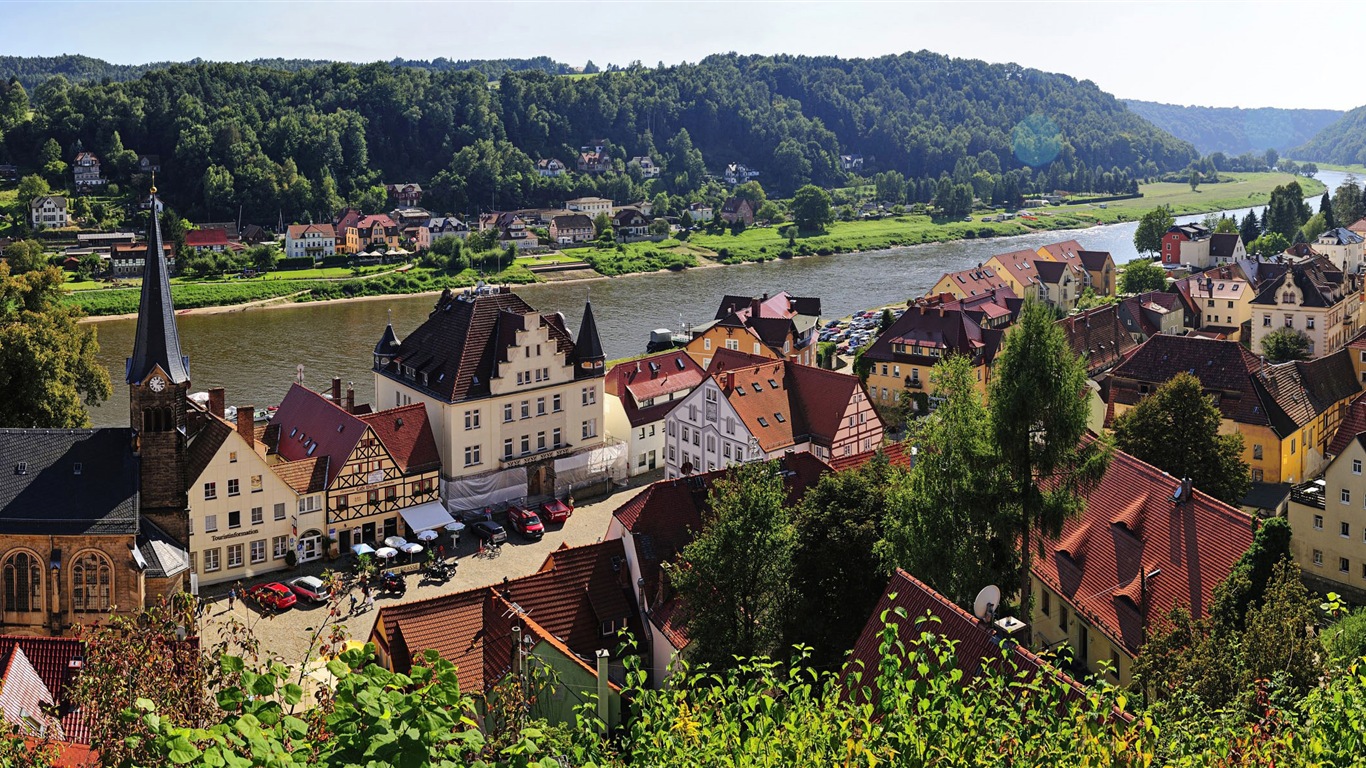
{"type": "Point", "coordinates": [1344, 141]}
{"type": "Point", "coordinates": [280, 143]}
{"type": "Point", "coordinates": [1234, 131]}
{"type": "Point", "coordinates": [33, 70]}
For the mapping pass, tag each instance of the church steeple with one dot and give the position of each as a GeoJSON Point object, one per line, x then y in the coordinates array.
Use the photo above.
{"type": "Point", "coordinates": [157, 343]}
{"type": "Point", "coordinates": [588, 346]}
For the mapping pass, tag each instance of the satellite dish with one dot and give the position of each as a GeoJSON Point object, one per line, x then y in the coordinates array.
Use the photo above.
{"type": "Point", "coordinates": [984, 607]}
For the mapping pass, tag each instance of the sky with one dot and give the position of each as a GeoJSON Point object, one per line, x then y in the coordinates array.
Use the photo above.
{"type": "Point", "coordinates": [1205, 52]}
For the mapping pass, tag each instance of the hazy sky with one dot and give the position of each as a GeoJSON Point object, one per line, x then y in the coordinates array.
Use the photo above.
{"type": "Point", "coordinates": [1194, 52]}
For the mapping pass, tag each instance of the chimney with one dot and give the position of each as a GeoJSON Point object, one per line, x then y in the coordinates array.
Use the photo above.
{"type": "Point", "coordinates": [350, 397]}
{"type": "Point", "coordinates": [754, 306]}
{"type": "Point", "coordinates": [336, 390]}
{"type": "Point", "coordinates": [516, 652]}
{"type": "Point", "coordinates": [604, 711]}
{"type": "Point", "coordinates": [723, 381]}
{"type": "Point", "coordinates": [1185, 490]}
{"type": "Point", "coordinates": [217, 399]}
{"type": "Point", "coordinates": [246, 424]}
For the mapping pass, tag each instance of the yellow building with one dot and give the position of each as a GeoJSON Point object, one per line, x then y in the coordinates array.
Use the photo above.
{"type": "Point", "coordinates": [779, 327]}
{"type": "Point", "coordinates": [968, 282]}
{"type": "Point", "coordinates": [1286, 413]}
{"type": "Point", "coordinates": [515, 402]}
{"type": "Point", "coordinates": [1328, 523]}
{"type": "Point", "coordinates": [1223, 298]}
{"type": "Point", "coordinates": [1017, 270]}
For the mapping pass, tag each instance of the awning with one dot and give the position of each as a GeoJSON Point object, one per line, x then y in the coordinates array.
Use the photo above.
{"type": "Point", "coordinates": [425, 517]}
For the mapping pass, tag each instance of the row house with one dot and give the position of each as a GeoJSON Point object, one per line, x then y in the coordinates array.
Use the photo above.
{"type": "Point", "coordinates": [1153, 314]}
{"type": "Point", "coordinates": [853, 163]}
{"type": "Point", "coordinates": [447, 226]}
{"type": "Point", "coordinates": [1286, 413]}
{"type": "Point", "coordinates": [1097, 335]}
{"type": "Point", "coordinates": [377, 231]}
{"type": "Point", "coordinates": [1097, 268]}
{"type": "Point", "coordinates": [781, 326]}
{"type": "Point", "coordinates": [1221, 298]}
{"type": "Point", "coordinates": [550, 167]}
{"type": "Point", "coordinates": [86, 170]}
{"type": "Point", "coordinates": [378, 470]}
{"type": "Point", "coordinates": [149, 164]}
{"type": "Point", "coordinates": [1143, 544]}
{"type": "Point", "coordinates": [640, 394]}
{"type": "Point", "coordinates": [647, 166]}
{"type": "Point", "coordinates": [1328, 517]}
{"type": "Point", "coordinates": [515, 403]}
{"type": "Point", "coordinates": [571, 228]}
{"type": "Point", "coordinates": [316, 241]}
{"type": "Point", "coordinates": [969, 282]}
{"type": "Point", "coordinates": [1193, 245]}
{"type": "Point", "coordinates": [1313, 296]}
{"type": "Point", "coordinates": [408, 195]}
{"type": "Point", "coordinates": [410, 216]}
{"type": "Point", "coordinates": [756, 412]}
{"type": "Point", "coordinates": [130, 259]}
{"type": "Point", "coordinates": [49, 212]}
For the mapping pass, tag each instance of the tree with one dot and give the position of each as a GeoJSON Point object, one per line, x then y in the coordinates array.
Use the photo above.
{"type": "Point", "coordinates": [1249, 230]}
{"type": "Point", "coordinates": [1286, 211]}
{"type": "Point", "coordinates": [811, 210]}
{"type": "Point", "coordinates": [1272, 157]}
{"type": "Point", "coordinates": [948, 525]}
{"type": "Point", "coordinates": [1326, 210]}
{"type": "Point", "coordinates": [1141, 276]}
{"type": "Point", "coordinates": [1315, 226]}
{"type": "Point", "coordinates": [1227, 225]}
{"type": "Point", "coordinates": [1151, 228]}
{"type": "Point", "coordinates": [734, 577]}
{"type": "Point", "coordinates": [1194, 180]}
{"type": "Point", "coordinates": [1176, 429]}
{"type": "Point", "coordinates": [25, 256]}
{"type": "Point", "coordinates": [1039, 415]}
{"type": "Point", "coordinates": [790, 166]}
{"type": "Point", "coordinates": [885, 320]}
{"type": "Point", "coordinates": [264, 258]}
{"type": "Point", "coordinates": [1348, 205]}
{"type": "Point", "coordinates": [218, 190]}
{"type": "Point", "coordinates": [1256, 567]}
{"type": "Point", "coordinates": [770, 212]}
{"type": "Point", "coordinates": [1285, 344]}
{"type": "Point", "coordinates": [751, 191]}
{"type": "Point", "coordinates": [30, 187]}
{"type": "Point", "coordinates": [1269, 244]}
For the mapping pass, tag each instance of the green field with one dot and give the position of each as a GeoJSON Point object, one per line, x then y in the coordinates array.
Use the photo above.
{"type": "Point", "coordinates": [554, 257]}
{"type": "Point", "coordinates": [1358, 169]}
{"type": "Point", "coordinates": [1247, 190]}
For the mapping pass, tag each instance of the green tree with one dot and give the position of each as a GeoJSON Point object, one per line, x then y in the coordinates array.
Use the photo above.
{"type": "Point", "coordinates": [770, 212]}
{"type": "Point", "coordinates": [1326, 210]}
{"type": "Point", "coordinates": [48, 367]}
{"type": "Point", "coordinates": [751, 191]}
{"type": "Point", "coordinates": [811, 210]}
{"type": "Point", "coordinates": [1176, 429]}
{"type": "Point", "coordinates": [1286, 211]}
{"type": "Point", "coordinates": [1315, 226]}
{"type": "Point", "coordinates": [1039, 415]}
{"type": "Point", "coordinates": [25, 256]}
{"type": "Point", "coordinates": [1256, 567]}
{"type": "Point", "coordinates": [735, 576]}
{"type": "Point", "coordinates": [218, 190]}
{"type": "Point", "coordinates": [885, 320]}
{"type": "Point", "coordinates": [790, 166]}
{"type": "Point", "coordinates": [601, 223]}
{"type": "Point", "coordinates": [1269, 244]}
{"type": "Point", "coordinates": [1141, 276]}
{"type": "Point", "coordinates": [1194, 179]}
{"type": "Point", "coordinates": [1272, 157]}
{"type": "Point", "coordinates": [1151, 228]}
{"type": "Point", "coordinates": [1227, 225]}
{"type": "Point", "coordinates": [948, 525]}
{"type": "Point", "coordinates": [1249, 230]}
{"type": "Point", "coordinates": [264, 258]}
{"type": "Point", "coordinates": [31, 186]}
{"type": "Point", "coordinates": [50, 153]}
{"type": "Point", "coordinates": [1285, 344]}
{"type": "Point", "coordinates": [1348, 204]}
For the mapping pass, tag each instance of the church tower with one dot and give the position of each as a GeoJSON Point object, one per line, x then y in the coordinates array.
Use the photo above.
{"type": "Point", "coordinates": [158, 377]}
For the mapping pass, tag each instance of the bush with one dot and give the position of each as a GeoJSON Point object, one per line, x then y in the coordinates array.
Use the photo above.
{"type": "Point", "coordinates": [723, 253]}
{"type": "Point", "coordinates": [825, 250]}
{"type": "Point", "coordinates": [294, 262]}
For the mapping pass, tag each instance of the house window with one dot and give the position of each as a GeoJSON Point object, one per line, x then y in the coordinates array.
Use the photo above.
{"type": "Point", "coordinates": [526, 444]}
{"type": "Point", "coordinates": [507, 412]}
{"type": "Point", "coordinates": [1309, 323]}
{"type": "Point", "coordinates": [255, 483]}
{"type": "Point", "coordinates": [23, 583]}
{"type": "Point", "coordinates": [258, 551]}
{"type": "Point", "coordinates": [540, 441]}
{"type": "Point", "coordinates": [1257, 452]}
{"type": "Point", "coordinates": [258, 515]}
{"type": "Point", "coordinates": [1046, 603]}
{"type": "Point", "coordinates": [526, 409]}
{"type": "Point", "coordinates": [671, 454]}
{"type": "Point", "coordinates": [471, 455]}
{"type": "Point", "coordinates": [1345, 530]}
{"type": "Point", "coordinates": [540, 406]}
{"type": "Point", "coordinates": [211, 559]}
{"type": "Point", "coordinates": [210, 491]}
{"type": "Point", "coordinates": [278, 546]}
{"type": "Point", "coordinates": [1266, 323]}
{"type": "Point", "coordinates": [1289, 321]}
{"type": "Point", "coordinates": [471, 419]}
{"type": "Point", "coordinates": [590, 395]}
{"type": "Point", "coordinates": [507, 448]}
{"type": "Point", "coordinates": [280, 511]}
{"type": "Point", "coordinates": [232, 457]}
{"type": "Point", "coordinates": [1343, 565]}
{"type": "Point", "coordinates": [1062, 617]}
{"type": "Point", "coordinates": [733, 344]}
{"type": "Point", "coordinates": [1292, 446]}
{"type": "Point", "coordinates": [1318, 522]}
{"type": "Point", "coordinates": [590, 429]}
{"type": "Point", "coordinates": [1345, 496]}
{"type": "Point", "coordinates": [234, 519]}
{"type": "Point", "coordinates": [706, 345]}
{"type": "Point", "coordinates": [234, 488]}
{"type": "Point", "coordinates": [1256, 475]}
{"type": "Point", "coordinates": [555, 404]}
{"type": "Point", "coordinates": [234, 555]}
{"type": "Point", "coordinates": [210, 523]}
{"type": "Point", "coordinates": [310, 504]}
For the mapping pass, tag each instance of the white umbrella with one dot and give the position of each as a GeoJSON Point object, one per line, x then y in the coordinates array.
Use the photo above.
{"type": "Point", "coordinates": [455, 527]}
{"type": "Point", "coordinates": [396, 542]}
{"type": "Point", "coordinates": [428, 536]}
{"type": "Point", "coordinates": [363, 549]}
{"type": "Point", "coordinates": [384, 553]}
{"type": "Point", "coordinates": [412, 548]}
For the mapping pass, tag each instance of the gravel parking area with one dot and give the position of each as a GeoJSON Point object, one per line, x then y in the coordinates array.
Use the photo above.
{"type": "Point", "coordinates": [286, 637]}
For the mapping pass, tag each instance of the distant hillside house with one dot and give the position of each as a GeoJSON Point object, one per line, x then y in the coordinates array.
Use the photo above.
{"type": "Point", "coordinates": [594, 162]}
{"type": "Point", "coordinates": [315, 240]}
{"type": "Point", "coordinates": [408, 195]}
{"type": "Point", "coordinates": [630, 223]}
{"type": "Point", "coordinates": [738, 173]}
{"type": "Point", "coordinates": [49, 212]}
{"type": "Point", "coordinates": [86, 170]}
{"type": "Point", "coordinates": [699, 212]}
{"type": "Point", "coordinates": [215, 240]}
{"type": "Point", "coordinates": [851, 162]}
{"type": "Point", "coordinates": [647, 166]}
{"type": "Point", "coordinates": [447, 226]}
{"type": "Point", "coordinates": [590, 205]}
{"type": "Point", "coordinates": [738, 209]}
{"type": "Point", "coordinates": [571, 228]}
{"type": "Point", "coordinates": [129, 259]}
{"type": "Point", "coordinates": [550, 167]}
{"type": "Point", "coordinates": [512, 230]}
{"type": "Point", "coordinates": [149, 163]}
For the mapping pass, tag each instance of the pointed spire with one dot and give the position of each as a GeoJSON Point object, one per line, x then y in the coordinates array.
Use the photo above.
{"type": "Point", "coordinates": [588, 346]}
{"type": "Point", "coordinates": [157, 342]}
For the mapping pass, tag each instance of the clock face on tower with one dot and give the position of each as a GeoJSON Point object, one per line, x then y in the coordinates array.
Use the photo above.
{"type": "Point", "coordinates": [156, 383]}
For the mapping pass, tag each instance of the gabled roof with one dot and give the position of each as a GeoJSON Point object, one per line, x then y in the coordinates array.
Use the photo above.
{"type": "Point", "coordinates": [648, 378]}
{"type": "Point", "coordinates": [1358, 226]}
{"type": "Point", "coordinates": [1095, 261]}
{"type": "Point", "coordinates": [1226, 367]}
{"type": "Point", "coordinates": [572, 221]}
{"type": "Point", "coordinates": [1302, 390]}
{"type": "Point", "coordinates": [1320, 284]}
{"type": "Point", "coordinates": [298, 231]}
{"type": "Point", "coordinates": [1353, 424]}
{"type": "Point", "coordinates": [304, 476]}
{"type": "Point", "coordinates": [48, 497]}
{"type": "Point", "coordinates": [782, 403]}
{"type": "Point", "coordinates": [1099, 336]}
{"type": "Point", "coordinates": [25, 700]}
{"type": "Point", "coordinates": [1066, 250]}
{"type": "Point", "coordinates": [201, 238]}
{"type": "Point", "coordinates": [1340, 236]}
{"type": "Point", "coordinates": [157, 341]}
{"type": "Point", "coordinates": [1020, 265]}
{"type": "Point", "coordinates": [50, 658]}
{"type": "Point", "coordinates": [407, 435]}
{"type": "Point", "coordinates": [973, 282]}
{"type": "Point", "coordinates": [464, 339]}
{"type": "Point", "coordinates": [1224, 245]}
{"type": "Point", "coordinates": [1130, 528]}
{"type": "Point", "coordinates": [946, 328]}
{"type": "Point", "coordinates": [1052, 272]}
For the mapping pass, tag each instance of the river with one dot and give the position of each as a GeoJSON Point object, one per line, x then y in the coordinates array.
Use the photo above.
{"type": "Point", "coordinates": [255, 354]}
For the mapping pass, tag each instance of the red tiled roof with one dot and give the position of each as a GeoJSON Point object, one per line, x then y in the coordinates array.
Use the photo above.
{"type": "Point", "coordinates": [51, 659]}
{"type": "Point", "coordinates": [1099, 335]}
{"type": "Point", "coordinates": [635, 381]}
{"type": "Point", "coordinates": [796, 402]}
{"type": "Point", "coordinates": [199, 238]}
{"type": "Point", "coordinates": [1358, 226]}
{"type": "Point", "coordinates": [973, 282]}
{"type": "Point", "coordinates": [977, 643]}
{"type": "Point", "coordinates": [304, 475]}
{"type": "Point", "coordinates": [1353, 424]}
{"type": "Point", "coordinates": [1130, 527]}
{"type": "Point", "coordinates": [297, 231]}
{"type": "Point", "coordinates": [1063, 251]}
{"type": "Point", "coordinates": [407, 434]}
{"type": "Point", "coordinates": [897, 453]}
{"type": "Point", "coordinates": [1226, 367]}
{"type": "Point", "coordinates": [24, 700]}
{"type": "Point", "coordinates": [1020, 265]}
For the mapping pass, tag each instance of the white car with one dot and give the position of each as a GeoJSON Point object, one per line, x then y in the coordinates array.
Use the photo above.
{"type": "Point", "coordinates": [310, 588]}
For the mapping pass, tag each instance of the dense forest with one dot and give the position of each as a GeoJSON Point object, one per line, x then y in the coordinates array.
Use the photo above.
{"type": "Point", "coordinates": [1232, 130]}
{"type": "Point", "coordinates": [1342, 142]}
{"type": "Point", "coordinates": [277, 143]}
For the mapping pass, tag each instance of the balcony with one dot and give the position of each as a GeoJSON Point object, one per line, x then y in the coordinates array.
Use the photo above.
{"type": "Point", "coordinates": [1310, 494]}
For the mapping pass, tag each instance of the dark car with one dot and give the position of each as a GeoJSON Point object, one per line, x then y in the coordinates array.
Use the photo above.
{"type": "Point", "coordinates": [525, 522]}
{"type": "Point", "coordinates": [275, 596]}
{"type": "Point", "coordinates": [487, 530]}
{"type": "Point", "coordinates": [556, 511]}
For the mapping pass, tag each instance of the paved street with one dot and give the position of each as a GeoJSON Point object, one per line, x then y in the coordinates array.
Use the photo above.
{"type": "Point", "coordinates": [286, 637]}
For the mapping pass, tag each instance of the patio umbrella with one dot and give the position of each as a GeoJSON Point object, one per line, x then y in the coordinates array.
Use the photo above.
{"type": "Point", "coordinates": [396, 542]}
{"type": "Point", "coordinates": [455, 527]}
{"type": "Point", "coordinates": [412, 549]}
{"type": "Point", "coordinates": [428, 536]}
{"type": "Point", "coordinates": [384, 553]}
{"type": "Point", "coordinates": [363, 549]}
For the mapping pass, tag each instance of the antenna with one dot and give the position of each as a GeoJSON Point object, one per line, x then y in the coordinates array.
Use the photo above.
{"type": "Point", "coordinates": [984, 607]}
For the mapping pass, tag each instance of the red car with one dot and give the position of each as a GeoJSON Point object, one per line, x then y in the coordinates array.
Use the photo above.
{"type": "Point", "coordinates": [275, 596]}
{"type": "Point", "coordinates": [525, 522]}
{"type": "Point", "coordinates": [556, 511]}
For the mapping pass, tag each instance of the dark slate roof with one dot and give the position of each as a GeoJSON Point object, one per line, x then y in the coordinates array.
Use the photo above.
{"type": "Point", "coordinates": [50, 498]}
{"type": "Point", "coordinates": [388, 343]}
{"type": "Point", "coordinates": [165, 557]}
{"type": "Point", "coordinates": [1223, 244]}
{"type": "Point", "coordinates": [1226, 367]}
{"type": "Point", "coordinates": [463, 340]}
{"type": "Point", "coordinates": [1095, 261]}
{"type": "Point", "coordinates": [1319, 282]}
{"type": "Point", "coordinates": [157, 342]}
{"type": "Point", "coordinates": [1340, 236]}
{"type": "Point", "coordinates": [1304, 389]}
{"type": "Point", "coordinates": [947, 328]}
{"type": "Point", "coordinates": [1099, 335]}
{"type": "Point", "coordinates": [1268, 496]}
{"type": "Point", "coordinates": [588, 347]}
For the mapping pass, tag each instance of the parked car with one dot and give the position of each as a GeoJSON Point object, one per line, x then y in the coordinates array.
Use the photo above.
{"type": "Point", "coordinates": [489, 531]}
{"type": "Point", "coordinates": [274, 595]}
{"type": "Point", "coordinates": [475, 515]}
{"type": "Point", "coordinates": [556, 511]}
{"type": "Point", "coordinates": [525, 522]}
{"type": "Point", "coordinates": [310, 588]}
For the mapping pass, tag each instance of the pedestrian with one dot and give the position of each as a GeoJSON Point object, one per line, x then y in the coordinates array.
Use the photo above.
{"type": "Point", "coordinates": [369, 602]}
{"type": "Point", "coordinates": [440, 551]}
{"type": "Point", "coordinates": [352, 612]}
{"type": "Point", "coordinates": [232, 597]}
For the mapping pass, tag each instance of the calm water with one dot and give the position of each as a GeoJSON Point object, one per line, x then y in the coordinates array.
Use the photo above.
{"type": "Point", "coordinates": [255, 354]}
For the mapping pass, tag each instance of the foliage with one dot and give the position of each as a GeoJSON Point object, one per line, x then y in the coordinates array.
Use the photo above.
{"type": "Point", "coordinates": [885, 320]}
{"type": "Point", "coordinates": [1249, 229]}
{"type": "Point", "coordinates": [734, 577]}
{"type": "Point", "coordinates": [1227, 225]}
{"type": "Point", "coordinates": [1090, 299]}
{"type": "Point", "coordinates": [1342, 141]}
{"type": "Point", "coordinates": [48, 369]}
{"type": "Point", "coordinates": [1176, 429]}
{"type": "Point", "coordinates": [1286, 212]}
{"type": "Point", "coordinates": [1141, 276]}
{"type": "Point", "coordinates": [1349, 203]}
{"type": "Point", "coordinates": [948, 525]}
{"type": "Point", "coordinates": [1285, 344]}
{"type": "Point", "coordinates": [1315, 226]}
{"type": "Point", "coordinates": [25, 256]}
{"type": "Point", "coordinates": [1256, 568]}
{"type": "Point", "coordinates": [31, 186]}
{"type": "Point", "coordinates": [1039, 415]}
{"type": "Point", "coordinates": [1269, 244]}
{"type": "Point", "coordinates": [1235, 131]}
{"type": "Point", "coordinates": [1345, 639]}
{"type": "Point", "coordinates": [811, 209]}
{"type": "Point", "coordinates": [1151, 228]}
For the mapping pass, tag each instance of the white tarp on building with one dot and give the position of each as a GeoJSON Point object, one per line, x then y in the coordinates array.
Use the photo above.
{"type": "Point", "coordinates": [590, 467]}
{"type": "Point", "coordinates": [425, 517]}
{"type": "Point", "coordinates": [484, 490]}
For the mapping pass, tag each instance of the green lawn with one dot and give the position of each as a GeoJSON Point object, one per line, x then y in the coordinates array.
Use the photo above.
{"type": "Point", "coordinates": [1247, 190]}
{"type": "Point", "coordinates": [1358, 169]}
{"type": "Point", "coordinates": [554, 257]}
{"type": "Point", "coordinates": [323, 273]}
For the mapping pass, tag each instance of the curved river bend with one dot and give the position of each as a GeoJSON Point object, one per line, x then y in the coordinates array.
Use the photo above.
{"type": "Point", "coordinates": [254, 354]}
